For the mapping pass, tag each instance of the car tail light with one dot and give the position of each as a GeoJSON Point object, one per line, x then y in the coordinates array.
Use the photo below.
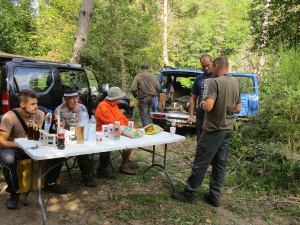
{"type": "Point", "coordinates": [159, 116]}
{"type": "Point", "coordinates": [5, 102]}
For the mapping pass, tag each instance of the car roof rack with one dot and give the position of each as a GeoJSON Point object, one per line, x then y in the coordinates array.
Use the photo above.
{"type": "Point", "coordinates": [19, 58]}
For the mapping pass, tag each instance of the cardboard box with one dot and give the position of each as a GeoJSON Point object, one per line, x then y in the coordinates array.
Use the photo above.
{"type": "Point", "coordinates": [176, 94]}
{"type": "Point", "coordinates": [23, 174]}
{"type": "Point", "coordinates": [162, 101]}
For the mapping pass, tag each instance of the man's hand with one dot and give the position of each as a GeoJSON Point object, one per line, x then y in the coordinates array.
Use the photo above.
{"type": "Point", "coordinates": [134, 93]}
{"type": "Point", "coordinates": [190, 119]}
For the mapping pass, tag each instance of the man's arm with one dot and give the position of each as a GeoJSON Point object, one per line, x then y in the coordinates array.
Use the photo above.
{"type": "Point", "coordinates": [158, 87]}
{"type": "Point", "coordinates": [237, 108]}
{"type": "Point", "coordinates": [207, 105]}
{"type": "Point", "coordinates": [134, 87]}
{"type": "Point", "coordinates": [193, 100]}
{"type": "Point", "coordinates": [4, 143]}
{"type": "Point", "coordinates": [106, 116]}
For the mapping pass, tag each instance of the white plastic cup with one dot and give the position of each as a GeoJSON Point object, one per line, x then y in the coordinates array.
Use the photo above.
{"type": "Point", "coordinates": [105, 130]}
{"type": "Point", "coordinates": [131, 124]}
{"type": "Point", "coordinates": [110, 131]}
{"type": "Point", "coordinates": [99, 138]}
{"type": "Point", "coordinates": [172, 130]}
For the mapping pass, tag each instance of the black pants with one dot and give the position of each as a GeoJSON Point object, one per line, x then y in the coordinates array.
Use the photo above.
{"type": "Point", "coordinates": [211, 146]}
{"type": "Point", "coordinates": [104, 158]}
{"type": "Point", "coordinates": [144, 106]}
{"type": "Point", "coordinates": [84, 165]}
{"type": "Point", "coordinates": [9, 158]}
{"type": "Point", "coordinates": [199, 124]}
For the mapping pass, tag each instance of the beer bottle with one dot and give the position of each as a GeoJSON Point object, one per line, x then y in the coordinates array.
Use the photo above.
{"type": "Point", "coordinates": [36, 132]}
{"type": "Point", "coordinates": [61, 137]}
{"type": "Point", "coordinates": [30, 130]}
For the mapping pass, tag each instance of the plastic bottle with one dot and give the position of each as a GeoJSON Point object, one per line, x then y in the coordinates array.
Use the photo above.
{"type": "Point", "coordinates": [92, 128]}
{"type": "Point", "coordinates": [73, 123]}
{"type": "Point", "coordinates": [61, 137]}
{"type": "Point", "coordinates": [84, 121]}
{"type": "Point", "coordinates": [48, 120]}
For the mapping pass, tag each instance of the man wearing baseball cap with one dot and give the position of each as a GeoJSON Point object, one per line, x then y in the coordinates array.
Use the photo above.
{"type": "Point", "coordinates": [108, 112]}
{"type": "Point", "coordinates": [66, 109]}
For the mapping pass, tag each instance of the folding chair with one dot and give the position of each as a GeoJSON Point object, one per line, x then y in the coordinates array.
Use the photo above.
{"type": "Point", "coordinates": [111, 159]}
{"type": "Point", "coordinates": [74, 165]}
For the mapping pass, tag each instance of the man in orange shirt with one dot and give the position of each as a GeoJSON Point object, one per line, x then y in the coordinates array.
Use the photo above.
{"type": "Point", "coordinates": [108, 112]}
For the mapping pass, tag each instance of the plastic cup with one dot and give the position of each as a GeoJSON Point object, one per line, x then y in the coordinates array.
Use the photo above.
{"type": "Point", "coordinates": [105, 130]}
{"type": "Point", "coordinates": [172, 130]}
{"type": "Point", "coordinates": [110, 132]}
{"type": "Point", "coordinates": [80, 134]}
{"type": "Point", "coordinates": [99, 138]}
{"type": "Point", "coordinates": [131, 124]}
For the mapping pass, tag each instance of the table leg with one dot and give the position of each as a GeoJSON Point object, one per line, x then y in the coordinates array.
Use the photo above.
{"type": "Point", "coordinates": [40, 194]}
{"type": "Point", "coordinates": [31, 183]}
{"type": "Point", "coordinates": [163, 167]}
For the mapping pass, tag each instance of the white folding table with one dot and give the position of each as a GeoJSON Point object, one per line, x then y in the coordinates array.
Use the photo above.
{"type": "Point", "coordinates": [90, 147]}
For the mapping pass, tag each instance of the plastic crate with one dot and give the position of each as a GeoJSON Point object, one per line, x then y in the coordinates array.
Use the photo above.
{"type": "Point", "coordinates": [44, 137]}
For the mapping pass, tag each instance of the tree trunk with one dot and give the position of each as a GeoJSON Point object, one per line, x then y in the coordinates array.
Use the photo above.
{"type": "Point", "coordinates": [123, 70]}
{"type": "Point", "coordinates": [165, 33]}
{"type": "Point", "coordinates": [84, 21]}
{"type": "Point", "coordinates": [264, 37]}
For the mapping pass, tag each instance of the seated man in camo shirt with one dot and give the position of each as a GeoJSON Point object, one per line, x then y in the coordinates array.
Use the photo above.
{"type": "Point", "coordinates": [66, 110]}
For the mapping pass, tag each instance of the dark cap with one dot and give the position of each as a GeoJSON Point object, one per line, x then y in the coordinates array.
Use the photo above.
{"type": "Point", "coordinates": [70, 91]}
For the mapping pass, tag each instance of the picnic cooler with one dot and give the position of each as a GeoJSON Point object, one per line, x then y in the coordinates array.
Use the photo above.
{"type": "Point", "coordinates": [23, 173]}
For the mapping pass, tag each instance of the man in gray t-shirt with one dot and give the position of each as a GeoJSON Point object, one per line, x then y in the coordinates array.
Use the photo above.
{"type": "Point", "coordinates": [222, 100]}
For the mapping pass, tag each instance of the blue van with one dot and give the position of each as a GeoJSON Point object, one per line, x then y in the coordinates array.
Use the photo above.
{"type": "Point", "coordinates": [171, 106]}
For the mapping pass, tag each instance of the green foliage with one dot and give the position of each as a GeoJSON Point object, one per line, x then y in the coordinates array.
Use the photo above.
{"type": "Point", "coordinates": [267, 147]}
{"type": "Point", "coordinates": [122, 30]}
{"type": "Point", "coordinates": [283, 25]}
{"type": "Point", "coordinates": [217, 28]}
{"type": "Point", "coordinates": [18, 27]}
{"type": "Point", "coordinates": [57, 24]}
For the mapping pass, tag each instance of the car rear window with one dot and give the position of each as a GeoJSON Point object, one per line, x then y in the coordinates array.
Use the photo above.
{"type": "Point", "coordinates": [75, 78]}
{"type": "Point", "coordinates": [246, 84]}
{"type": "Point", "coordinates": [36, 79]}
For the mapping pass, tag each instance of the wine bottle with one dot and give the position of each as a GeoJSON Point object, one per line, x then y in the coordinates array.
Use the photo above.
{"type": "Point", "coordinates": [52, 129]}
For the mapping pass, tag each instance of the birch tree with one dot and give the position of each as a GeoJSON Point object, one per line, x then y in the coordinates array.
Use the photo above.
{"type": "Point", "coordinates": [264, 37]}
{"type": "Point", "coordinates": [165, 32]}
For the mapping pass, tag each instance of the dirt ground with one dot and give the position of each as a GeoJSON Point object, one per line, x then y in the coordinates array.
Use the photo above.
{"type": "Point", "coordinates": [133, 200]}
